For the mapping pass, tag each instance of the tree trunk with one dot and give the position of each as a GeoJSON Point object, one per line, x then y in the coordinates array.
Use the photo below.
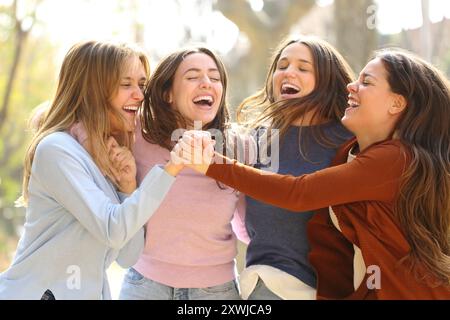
{"type": "Point", "coordinates": [426, 49]}
{"type": "Point", "coordinates": [20, 38]}
{"type": "Point", "coordinates": [264, 29]}
{"type": "Point", "coordinates": [355, 30]}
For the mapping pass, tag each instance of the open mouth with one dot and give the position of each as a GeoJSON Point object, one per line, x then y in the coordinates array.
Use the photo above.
{"type": "Point", "coordinates": [130, 109]}
{"type": "Point", "coordinates": [203, 101]}
{"type": "Point", "coordinates": [353, 104]}
{"type": "Point", "coordinates": [289, 89]}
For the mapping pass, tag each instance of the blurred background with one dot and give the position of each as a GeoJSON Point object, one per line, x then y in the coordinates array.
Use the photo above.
{"type": "Point", "coordinates": [36, 34]}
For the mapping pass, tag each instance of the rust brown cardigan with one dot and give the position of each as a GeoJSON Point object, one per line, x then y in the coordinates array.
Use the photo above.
{"type": "Point", "coordinates": [362, 194]}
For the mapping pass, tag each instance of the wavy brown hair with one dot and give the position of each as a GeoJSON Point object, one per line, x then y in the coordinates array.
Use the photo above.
{"type": "Point", "coordinates": [423, 208]}
{"type": "Point", "coordinates": [158, 119]}
{"type": "Point", "coordinates": [90, 76]}
{"type": "Point", "coordinates": [327, 101]}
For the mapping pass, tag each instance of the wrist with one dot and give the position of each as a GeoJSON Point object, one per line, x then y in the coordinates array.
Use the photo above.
{"type": "Point", "coordinates": [173, 169]}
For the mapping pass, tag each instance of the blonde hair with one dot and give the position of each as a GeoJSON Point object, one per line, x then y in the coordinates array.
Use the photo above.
{"type": "Point", "coordinates": [90, 75]}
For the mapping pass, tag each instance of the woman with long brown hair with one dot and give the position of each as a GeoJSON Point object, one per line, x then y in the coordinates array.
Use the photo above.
{"type": "Point", "coordinates": [78, 174]}
{"type": "Point", "coordinates": [190, 246]}
{"type": "Point", "coordinates": [386, 232]}
{"type": "Point", "coordinates": [303, 99]}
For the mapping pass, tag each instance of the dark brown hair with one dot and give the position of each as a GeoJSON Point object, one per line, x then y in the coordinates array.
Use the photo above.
{"type": "Point", "coordinates": [328, 100]}
{"type": "Point", "coordinates": [423, 208]}
{"type": "Point", "coordinates": [159, 120]}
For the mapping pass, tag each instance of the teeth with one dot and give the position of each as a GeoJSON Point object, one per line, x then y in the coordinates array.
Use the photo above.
{"type": "Point", "coordinates": [353, 104]}
{"type": "Point", "coordinates": [131, 108]}
{"type": "Point", "coordinates": [207, 98]}
{"type": "Point", "coordinates": [289, 86]}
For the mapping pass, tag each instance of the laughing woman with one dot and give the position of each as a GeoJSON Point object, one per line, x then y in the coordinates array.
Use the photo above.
{"type": "Point", "coordinates": [190, 246]}
{"type": "Point", "coordinates": [78, 172]}
{"type": "Point", "coordinates": [386, 232]}
{"type": "Point", "coordinates": [305, 97]}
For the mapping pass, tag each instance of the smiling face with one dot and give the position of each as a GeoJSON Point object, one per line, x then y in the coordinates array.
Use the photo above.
{"type": "Point", "coordinates": [294, 76]}
{"type": "Point", "coordinates": [373, 107]}
{"type": "Point", "coordinates": [129, 95]}
{"type": "Point", "coordinates": [197, 89]}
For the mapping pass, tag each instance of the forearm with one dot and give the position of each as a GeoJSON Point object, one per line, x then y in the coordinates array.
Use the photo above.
{"type": "Point", "coordinates": [278, 190]}
{"type": "Point", "coordinates": [363, 179]}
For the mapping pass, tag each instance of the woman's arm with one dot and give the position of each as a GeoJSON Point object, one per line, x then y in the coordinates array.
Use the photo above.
{"type": "Point", "coordinates": [67, 181]}
{"type": "Point", "coordinates": [373, 175]}
{"type": "Point", "coordinates": [131, 251]}
{"type": "Point", "coordinates": [238, 221]}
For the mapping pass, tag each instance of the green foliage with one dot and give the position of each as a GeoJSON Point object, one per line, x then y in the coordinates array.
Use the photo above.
{"type": "Point", "coordinates": [33, 84]}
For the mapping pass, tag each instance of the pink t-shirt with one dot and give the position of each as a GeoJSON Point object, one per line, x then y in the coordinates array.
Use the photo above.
{"type": "Point", "coordinates": [189, 242]}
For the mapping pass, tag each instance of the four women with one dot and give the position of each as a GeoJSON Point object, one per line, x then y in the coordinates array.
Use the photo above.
{"type": "Point", "coordinates": [384, 232]}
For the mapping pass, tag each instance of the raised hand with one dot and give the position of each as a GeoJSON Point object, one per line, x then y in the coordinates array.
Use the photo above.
{"type": "Point", "coordinates": [124, 166]}
{"type": "Point", "coordinates": [195, 150]}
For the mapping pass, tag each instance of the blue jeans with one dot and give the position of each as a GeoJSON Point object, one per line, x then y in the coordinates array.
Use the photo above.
{"type": "Point", "coordinates": [261, 292]}
{"type": "Point", "coordinates": [136, 287]}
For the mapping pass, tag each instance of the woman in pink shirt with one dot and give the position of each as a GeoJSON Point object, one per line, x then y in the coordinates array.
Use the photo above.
{"type": "Point", "coordinates": [190, 245]}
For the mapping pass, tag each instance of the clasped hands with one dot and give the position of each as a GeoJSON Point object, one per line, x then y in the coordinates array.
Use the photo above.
{"type": "Point", "coordinates": [195, 150]}
{"type": "Point", "coordinates": [124, 166]}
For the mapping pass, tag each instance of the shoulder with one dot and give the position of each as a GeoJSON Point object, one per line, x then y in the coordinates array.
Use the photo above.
{"type": "Point", "coordinates": [387, 148]}
{"type": "Point", "coordinates": [342, 152]}
{"type": "Point", "coordinates": [57, 144]}
{"type": "Point", "coordinates": [389, 156]}
{"type": "Point", "coordinates": [57, 140]}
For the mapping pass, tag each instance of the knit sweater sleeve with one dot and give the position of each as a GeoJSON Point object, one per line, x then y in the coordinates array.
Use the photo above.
{"type": "Point", "coordinates": [61, 173]}
{"type": "Point", "coordinates": [373, 175]}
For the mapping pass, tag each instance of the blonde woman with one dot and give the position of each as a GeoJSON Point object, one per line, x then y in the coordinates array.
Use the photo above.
{"type": "Point", "coordinates": [83, 208]}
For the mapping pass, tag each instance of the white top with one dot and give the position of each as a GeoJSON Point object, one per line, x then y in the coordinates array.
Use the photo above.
{"type": "Point", "coordinates": [359, 267]}
{"type": "Point", "coordinates": [279, 282]}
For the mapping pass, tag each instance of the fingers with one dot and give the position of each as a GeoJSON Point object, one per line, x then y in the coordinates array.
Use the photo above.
{"type": "Point", "coordinates": [111, 143]}
{"type": "Point", "coordinates": [116, 154]}
{"type": "Point", "coordinates": [196, 138]}
{"type": "Point", "coordinates": [121, 158]}
{"type": "Point", "coordinates": [194, 148]}
{"type": "Point", "coordinates": [208, 153]}
{"type": "Point", "coordinates": [177, 160]}
{"type": "Point", "coordinates": [116, 174]}
{"type": "Point", "coordinates": [176, 155]}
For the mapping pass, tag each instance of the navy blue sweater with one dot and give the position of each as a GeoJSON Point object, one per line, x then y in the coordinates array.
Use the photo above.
{"type": "Point", "coordinates": [278, 237]}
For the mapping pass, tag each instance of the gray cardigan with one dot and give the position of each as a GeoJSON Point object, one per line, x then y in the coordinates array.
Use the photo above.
{"type": "Point", "coordinates": [77, 225]}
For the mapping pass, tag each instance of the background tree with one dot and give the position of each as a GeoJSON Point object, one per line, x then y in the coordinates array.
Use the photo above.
{"type": "Point", "coordinates": [263, 23]}
{"type": "Point", "coordinates": [26, 80]}
{"type": "Point", "coordinates": [355, 30]}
